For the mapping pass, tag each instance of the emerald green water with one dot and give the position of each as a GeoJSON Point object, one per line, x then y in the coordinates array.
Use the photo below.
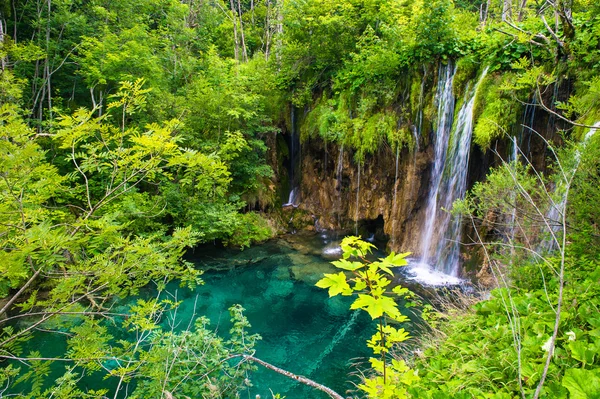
{"type": "Point", "coordinates": [303, 330]}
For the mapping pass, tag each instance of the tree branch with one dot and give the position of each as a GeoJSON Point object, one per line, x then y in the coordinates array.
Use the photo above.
{"type": "Point", "coordinates": [299, 378]}
{"type": "Point", "coordinates": [18, 294]}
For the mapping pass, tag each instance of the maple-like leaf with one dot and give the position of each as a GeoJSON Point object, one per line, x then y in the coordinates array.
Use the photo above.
{"type": "Point", "coordinates": [376, 307]}
{"type": "Point", "coordinates": [348, 265]}
{"type": "Point", "coordinates": [336, 283]}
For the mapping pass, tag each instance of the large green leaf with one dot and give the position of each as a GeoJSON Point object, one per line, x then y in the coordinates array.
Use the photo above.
{"type": "Point", "coordinates": [336, 283]}
{"type": "Point", "coordinates": [376, 306]}
{"type": "Point", "coordinates": [582, 384]}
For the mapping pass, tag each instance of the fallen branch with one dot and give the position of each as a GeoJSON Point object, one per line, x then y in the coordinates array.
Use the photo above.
{"type": "Point", "coordinates": [295, 377]}
{"type": "Point", "coordinates": [7, 306]}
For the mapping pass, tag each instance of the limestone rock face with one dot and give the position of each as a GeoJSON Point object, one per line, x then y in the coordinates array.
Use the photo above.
{"type": "Point", "coordinates": [329, 190]}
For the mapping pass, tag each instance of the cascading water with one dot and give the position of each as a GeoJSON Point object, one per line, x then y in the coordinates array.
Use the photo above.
{"type": "Point", "coordinates": [339, 169]}
{"type": "Point", "coordinates": [441, 234]}
{"type": "Point", "coordinates": [445, 110]}
{"type": "Point", "coordinates": [514, 154]}
{"type": "Point", "coordinates": [527, 127]}
{"type": "Point", "coordinates": [558, 207]}
{"type": "Point", "coordinates": [455, 183]}
{"type": "Point", "coordinates": [294, 162]}
{"type": "Point", "coordinates": [513, 159]}
{"type": "Point", "coordinates": [395, 203]}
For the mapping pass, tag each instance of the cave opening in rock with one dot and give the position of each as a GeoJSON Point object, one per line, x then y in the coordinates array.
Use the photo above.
{"type": "Point", "coordinates": [373, 230]}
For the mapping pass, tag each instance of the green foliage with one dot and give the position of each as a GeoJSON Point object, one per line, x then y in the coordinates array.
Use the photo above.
{"type": "Point", "coordinates": [434, 33]}
{"type": "Point", "coordinates": [128, 133]}
{"type": "Point", "coordinates": [581, 383]}
{"type": "Point", "coordinates": [250, 228]}
{"type": "Point", "coordinates": [484, 340]}
{"type": "Point", "coordinates": [466, 70]}
{"type": "Point", "coordinates": [197, 362]}
{"type": "Point", "coordinates": [585, 236]}
{"type": "Point", "coordinates": [496, 111]}
{"type": "Point", "coordinates": [369, 283]}
{"type": "Point", "coordinates": [504, 342]}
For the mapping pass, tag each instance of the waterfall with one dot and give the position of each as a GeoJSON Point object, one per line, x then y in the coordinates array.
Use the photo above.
{"type": "Point", "coordinates": [513, 159]}
{"type": "Point", "coordinates": [457, 166]}
{"type": "Point", "coordinates": [416, 133]}
{"type": "Point", "coordinates": [338, 177]}
{"type": "Point", "coordinates": [338, 170]}
{"type": "Point", "coordinates": [527, 126]}
{"type": "Point", "coordinates": [445, 110]}
{"type": "Point", "coordinates": [557, 208]}
{"type": "Point", "coordinates": [514, 154]}
{"type": "Point", "coordinates": [395, 203]}
{"type": "Point", "coordinates": [294, 162]}
{"type": "Point", "coordinates": [441, 234]}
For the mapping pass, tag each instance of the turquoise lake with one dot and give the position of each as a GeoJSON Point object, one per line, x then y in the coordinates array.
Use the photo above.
{"type": "Point", "coordinates": [303, 330]}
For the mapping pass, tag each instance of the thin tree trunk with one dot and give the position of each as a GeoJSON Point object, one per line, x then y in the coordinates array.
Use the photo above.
{"type": "Point", "coordinates": [244, 53]}
{"type": "Point", "coordinates": [47, 66]}
{"type": "Point", "coordinates": [2, 29]}
{"type": "Point", "coordinates": [14, 12]}
{"type": "Point", "coordinates": [522, 10]}
{"type": "Point", "coordinates": [235, 35]}
{"type": "Point", "coordinates": [279, 43]}
{"type": "Point", "coordinates": [506, 10]}
{"type": "Point", "coordinates": [268, 30]}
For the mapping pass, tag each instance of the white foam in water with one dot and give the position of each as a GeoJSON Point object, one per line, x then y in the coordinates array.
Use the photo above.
{"type": "Point", "coordinates": [332, 250]}
{"type": "Point", "coordinates": [427, 275]}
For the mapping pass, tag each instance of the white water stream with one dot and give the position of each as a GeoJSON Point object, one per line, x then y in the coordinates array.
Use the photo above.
{"type": "Point", "coordinates": [440, 240]}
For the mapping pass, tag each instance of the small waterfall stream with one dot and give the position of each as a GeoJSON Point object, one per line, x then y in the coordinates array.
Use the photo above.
{"type": "Point", "coordinates": [455, 183]}
{"type": "Point", "coordinates": [527, 127]}
{"type": "Point", "coordinates": [445, 110]}
{"type": "Point", "coordinates": [338, 177]}
{"type": "Point", "coordinates": [440, 240]}
{"type": "Point", "coordinates": [294, 162]}
{"type": "Point", "coordinates": [513, 159]}
{"type": "Point", "coordinates": [395, 202]}
{"type": "Point", "coordinates": [558, 207]}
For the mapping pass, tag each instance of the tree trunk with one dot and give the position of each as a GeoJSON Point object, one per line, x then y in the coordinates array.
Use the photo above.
{"type": "Point", "coordinates": [484, 11]}
{"type": "Point", "coordinates": [47, 73]}
{"type": "Point", "coordinates": [235, 35]}
{"type": "Point", "coordinates": [2, 30]}
{"type": "Point", "coordinates": [244, 53]}
{"type": "Point", "coordinates": [506, 10]}
{"type": "Point", "coordinates": [522, 10]}
{"type": "Point", "coordinates": [267, 42]}
{"type": "Point", "coordinates": [279, 42]}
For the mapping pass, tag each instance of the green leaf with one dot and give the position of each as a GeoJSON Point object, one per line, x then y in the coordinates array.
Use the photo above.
{"type": "Point", "coordinates": [347, 265]}
{"type": "Point", "coordinates": [582, 384]}
{"type": "Point", "coordinates": [359, 285]}
{"type": "Point", "coordinates": [582, 351]}
{"type": "Point", "coordinates": [336, 283]}
{"type": "Point", "coordinates": [396, 259]}
{"type": "Point", "coordinates": [376, 307]}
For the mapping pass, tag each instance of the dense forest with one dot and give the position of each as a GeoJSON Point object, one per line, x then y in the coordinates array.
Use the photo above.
{"type": "Point", "coordinates": [134, 131]}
